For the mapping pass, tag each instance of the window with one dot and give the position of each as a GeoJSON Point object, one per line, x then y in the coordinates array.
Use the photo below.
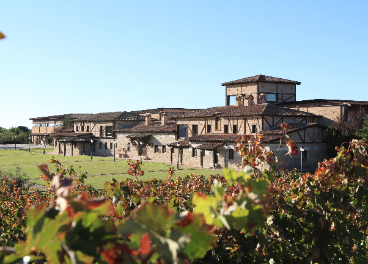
{"type": "Point", "coordinates": [156, 148]}
{"type": "Point", "coordinates": [194, 152]}
{"type": "Point", "coordinates": [163, 148]}
{"type": "Point", "coordinates": [270, 97]}
{"type": "Point", "coordinates": [182, 129]}
{"type": "Point", "coordinates": [110, 145]}
{"type": "Point", "coordinates": [109, 131]}
{"type": "Point", "coordinates": [55, 143]}
{"type": "Point", "coordinates": [226, 129]}
{"type": "Point", "coordinates": [254, 128]}
{"type": "Point", "coordinates": [87, 129]}
{"type": "Point", "coordinates": [231, 154]}
{"type": "Point", "coordinates": [101, 131]}
{"type": "Point", "coordinates": [208, 128]}
{"type": "Point", "coordinates": [217, 124]}
{"type": "Point", "coordinates": [76, 128]}
{"type": "Point", "coordinates": [194, 130]}
{"type": "Point", "coordinates": [105, 145]}
{"type": "Point", "coordinates": [128, 147]}
{"type": "Point", "coordinates": [100, 145]}
{"type": "Point", "coordinates": [82, 128]}
{"type": "Point", "coordinates": [235, 129]}
{"type": "Point", "coordinates": [305, 155]}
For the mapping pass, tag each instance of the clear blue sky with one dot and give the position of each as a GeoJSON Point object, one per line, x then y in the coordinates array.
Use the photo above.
{"type": "Point", "coordinates": [98, 56]}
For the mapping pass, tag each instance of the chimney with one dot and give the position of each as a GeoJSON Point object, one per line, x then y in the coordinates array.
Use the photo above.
{"type": "Point", "coordinates": [239, 100]}
{"type": "Point", "coordinates": [163, 119]}
{"type": "Point", "coordinates": [249, 100]}
{"type": "Point", "coordinates": [148, 119]}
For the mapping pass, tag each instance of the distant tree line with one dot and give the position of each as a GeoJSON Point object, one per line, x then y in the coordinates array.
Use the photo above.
{"type": "Point", "coordinates": [18, 134]}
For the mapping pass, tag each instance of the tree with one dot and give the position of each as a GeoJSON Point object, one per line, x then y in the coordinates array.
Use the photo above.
{"type": "Point", "coordinates": [352, 123]}
{"type": "Point", "coordinates": [363, 132]}
{"type": "Point", "coordinates": [335, 138]}
{"type": "Point", "coordinates": [67, 122]}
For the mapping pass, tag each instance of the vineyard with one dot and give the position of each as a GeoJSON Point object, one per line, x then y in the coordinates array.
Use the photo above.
{"type": "Point", "coordinates": [252, 216]}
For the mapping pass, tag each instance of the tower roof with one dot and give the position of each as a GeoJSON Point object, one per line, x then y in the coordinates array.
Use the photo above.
{"type": "Point", "coordinates": [261, 78]}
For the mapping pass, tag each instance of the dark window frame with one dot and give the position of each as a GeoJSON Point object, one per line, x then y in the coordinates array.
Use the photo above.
{"type": "Point", "coordinates": [226, 129]}
{"type": "Point", "coordinates": [231, 154]}
{"type": "Point", "coordinates": [163, 148]}
{"type": "Point", "coordinates": [235, 129]}
{"type": "Point", "coordinates": [254, 128]}
{"type": "Point", "coordinates": [194, 130]}
{"type": "Point", "coordinates": [181, 129]}
{"type": "Point", "coordinates": [155, 149]}
{"type": "Point", "coordinates": [109, 131]}
{"type": "Point", "coordinates": [209, 128]}
{"type": "Point", "coordinates": [194, 152]}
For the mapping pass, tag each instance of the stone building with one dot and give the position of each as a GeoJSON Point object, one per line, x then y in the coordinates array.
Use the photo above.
{"type": "Point", "coordinates": [205, 137]}
{"type": "Point", "coordinates": [212, 132]}
{"type": "Point", "coordinates": [43, 128]}
{"type": "Point", "coordinates": [94, 134]}
{"type": "Point", "coordinates": [329, 110]}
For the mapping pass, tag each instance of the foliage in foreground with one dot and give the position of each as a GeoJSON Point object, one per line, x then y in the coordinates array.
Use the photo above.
{"type": "Point", "coordinates": [247, 217]}
{"type": "Point", "coordinates": [79, 228]}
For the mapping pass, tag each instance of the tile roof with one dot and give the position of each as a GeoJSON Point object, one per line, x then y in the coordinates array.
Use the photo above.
{"type": "Point", "coordinates": [139, 136]}
{"type": "Point", "coordinates": [164, 110]}
{"type": "Point", "coordinates": [58, 117]}
{"type": "Point", "coordinates": [209, 146]}
{"type": "Point", "coordinates": [112, 116]}
{"type": "Point", "coordinates": [72, 136]}
{"type": "Point", "coordinates": [154, 127]}
{"type": "Point", "coordinates": [265, 109]}
{"type": "Point", "coordinates": [216, 138]}
{"type": "Point", "coordinates": [183, 143]}
{"type": "Point", "coordinates": [322, 102]}
{"type": "Point", "coordinates": [261, 78]}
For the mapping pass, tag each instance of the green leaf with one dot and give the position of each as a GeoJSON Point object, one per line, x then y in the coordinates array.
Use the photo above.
{"type": "Point", "coordinates": [155, 217]}
{"type": "Point", "coordinates": [208, 206]}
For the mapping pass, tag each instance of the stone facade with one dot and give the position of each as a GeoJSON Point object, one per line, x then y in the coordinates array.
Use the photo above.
{"type": "Point", "coordinates": [43, 128]}
{"type": "Point", "coordinates": [205, 137]}
{"type": "Point", "coordinates": [261, 89]}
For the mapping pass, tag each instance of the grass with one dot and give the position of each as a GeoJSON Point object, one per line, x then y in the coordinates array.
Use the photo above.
{"type": "Point", "coordinates": [99, 170]}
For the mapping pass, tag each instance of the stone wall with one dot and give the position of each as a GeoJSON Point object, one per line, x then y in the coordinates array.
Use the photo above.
{"type": "Point", "coordinates": [314, 153]}
{"type": "Point", "coordinates": [284, 92]}
{"type": "Point", "coordinates": [328, 113]}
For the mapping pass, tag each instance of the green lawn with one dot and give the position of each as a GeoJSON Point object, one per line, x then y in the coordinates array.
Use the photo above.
{"type": "Point", "coordinates": [99, 170]}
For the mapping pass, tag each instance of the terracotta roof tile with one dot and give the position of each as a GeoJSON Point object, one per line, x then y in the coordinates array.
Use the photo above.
{"type": "Point", "coordinates": [183, 143]}
{"type": "Point", "coordinates": [322, 102]}
{"type": "Point", "coordinates": [154, 127]}
{"type": "Point", "coordinates": [164, 110]}
{"type": "Point", "coordinates": [216, 138]}
{"type": "Point", "coordinates": [58, 117]}
{"type": "Point", "coordinates": [261, 78]}
{"type": "Point", "coordinates": [112, 116]}
{"type": "Point", "coordinates": [253, 110]}
{"type": "Point", "coordinates": [209, 146]}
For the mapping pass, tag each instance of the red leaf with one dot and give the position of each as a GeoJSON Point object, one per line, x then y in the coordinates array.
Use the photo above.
{"type": "Point", "coordinates": [187, 220]}
{"type": "Point", "coordinates": [145, 244]}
